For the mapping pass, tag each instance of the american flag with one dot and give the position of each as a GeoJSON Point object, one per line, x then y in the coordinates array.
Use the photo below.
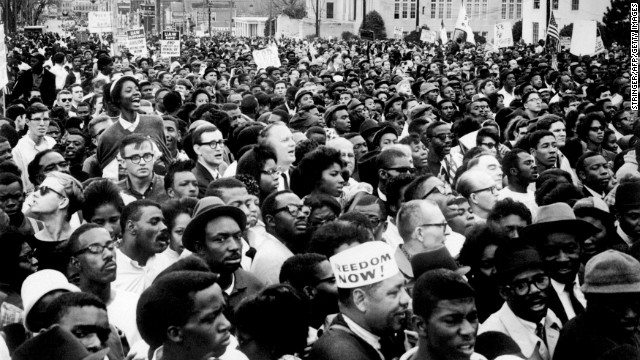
{"type": "Point", "coordinates": [552, 30]}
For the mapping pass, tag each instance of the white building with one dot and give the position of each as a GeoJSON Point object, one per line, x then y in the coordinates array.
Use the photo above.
{"type": "Point", "coordinates": [346, 15]}
{"type": "Point", "coordinates": [534, 18]}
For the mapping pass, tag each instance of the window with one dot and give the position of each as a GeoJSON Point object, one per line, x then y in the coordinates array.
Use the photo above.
{"type": "Point", "coordinates": [449, 9]}
{"type": "Point", "coordinates": [441, 9]}
{"type": "Point", "coordinates": [329, 10]}
{"type": "Point", "coordinates": [469, 9]}
{"type": "Point", "coordinates": [511, 8]}
{"type": "Point", "coordinates": [554, 4]}
{"type": "Point", "coordinates": [405, 9]}
{"type": "Point", "coordinates": [504, 9]}
{"type": "Point", "coordinates": [433, 9]}
{"type": "Point", "coordinates": [476, 10]}
{"type": "Point", "coordinates": [448, 34]}
{"type": "Point", "coordinates": [519, 9]}
{"type": "Point", "coordinates": [413, 9]}
{"type": "Point", "coordinates": [484, 8]}
{"type": "Point", "coordinates": [575, 4]}
{"type": "Point", "coordinates": [536, 29]}
{"type": "Point", "coordinates": [396, 13]}
{"type": "Point", "coordinates": [536, 4]}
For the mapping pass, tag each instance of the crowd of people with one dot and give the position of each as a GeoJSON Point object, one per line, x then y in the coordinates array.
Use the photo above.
{"type": "Point", "coordinates": [365, 200]}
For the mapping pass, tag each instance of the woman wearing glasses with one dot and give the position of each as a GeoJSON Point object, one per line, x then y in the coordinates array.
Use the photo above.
{"type": "Point", "coordinates": [57, 198]}
{"type": "Point", "coordinates": [260, 163]}
{"type": "Point", "coordinates": [591, 131]}
{"type": "Point", "coordinates": [124, 96]}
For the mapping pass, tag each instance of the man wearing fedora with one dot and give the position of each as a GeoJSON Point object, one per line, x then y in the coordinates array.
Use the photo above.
{"type": "Point", "coordinates": [215, 235]}
{"type": "Point", "coordinates": [612, 320]}
{"type": "Point", "coordinates": [525, 316]}
{"type": "Point", "coordinates": [628, 212]}
{"type": "Point", "coordinates": [558, 236]}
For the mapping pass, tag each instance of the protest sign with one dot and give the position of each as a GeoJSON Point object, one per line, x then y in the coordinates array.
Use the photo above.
{"type": "Point", "coordinates": [136, 42]}
{"type": "Point", "coordinates": [585, 39]}
{"type": "Point", "coordinates": [502, 35]}
{"type": "Point", "coordinates": [266, 57]}
{"type": "Point", "coordinates": [99, 21]}
{"type": "Point", "coordinates": [367, 35]}
{"type": "Point", "coordinates": [397, 32]}
{"type": "Point", "coordinates": [565, 41]}
{"type": "Point", "coordinates": [428, 36]}
{"type": "Point", "coordinates": [170, 44]}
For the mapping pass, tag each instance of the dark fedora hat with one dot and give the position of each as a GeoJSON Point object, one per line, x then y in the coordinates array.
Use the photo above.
{"type": "Point", "coordinates": [207, 209]}
{"type": "Point", "coordinates": [55, 344]}
{"type": "Point", "coordinates": [513, 258]}
{"type": "Point", "coordinates": [628, 194]}
{"type": "Point", "coordinates": [557, 217]}
{"type": "Point", "coordinates": [369, 127]}
{"type": "Point", "coordinates": [378, 136]}
{"type": "Point", "coordinates": [437, 258]}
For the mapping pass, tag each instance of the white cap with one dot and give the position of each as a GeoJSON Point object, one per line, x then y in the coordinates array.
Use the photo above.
{"type": "Point", "coordinates": [39, 284]}
{"type": "Point", "coordinates": [365, 264]}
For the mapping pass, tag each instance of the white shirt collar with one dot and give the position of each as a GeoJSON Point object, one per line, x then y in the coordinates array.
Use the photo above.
{"type": "Point", "coordinates": [627, 239]}
{"type": "Point", "coordinates": [129, 126]}
{"type": "Point", "coordinates": [363, 333]}
{"type": "Point", "coordinates": [382, 196]}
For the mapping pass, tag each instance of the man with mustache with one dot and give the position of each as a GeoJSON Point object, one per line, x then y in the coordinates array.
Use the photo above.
{"type": "Point", "coordinates": [521, 171]}
{"type": "Point", "coordinates": [144, 235]}
{"type": "Point", "coordinates": [93, 256]}
{"type": "Point", "coordinates": [558, 236]}
{"type": "Point", "coordinates": [612, 319]}
{"type": "Point", "coordinates": [215, 235]}
{"type": "Point", "coordinates": [373, 306]}
{"type": "Point", "coordinates": [525, 316]}
{"type": "Point", "coordinates": [285, 219]}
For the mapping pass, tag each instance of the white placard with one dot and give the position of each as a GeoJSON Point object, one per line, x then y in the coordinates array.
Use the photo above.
{"type": "Point", "coordinates": [170, 44]}
{"type": "Point", "coordinates": [137, 42]}
{"type": "Point", "coordinates": [502, 35]}
{"type": "Point", "coordinates": [267, 57]}
{"type": "Point", "coordinates": [99, 21]}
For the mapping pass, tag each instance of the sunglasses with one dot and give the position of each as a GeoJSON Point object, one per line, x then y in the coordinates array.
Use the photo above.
{"type": "Point", "coordinates": [44, 190]}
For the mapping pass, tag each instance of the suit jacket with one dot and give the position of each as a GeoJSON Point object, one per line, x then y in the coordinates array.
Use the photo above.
{"type": "Point", "coordinates": [555, 305]}
{"type": "Point", "coordinates": [47, 88]}
{"type": "Point", "coordinates": [506, 322]}
{"type": "Point", "coordinates": [245, 285]}
{"type": "Point", "coordinates": [338, 343]}
{"type": "Point", "coordinates": [204, 177]}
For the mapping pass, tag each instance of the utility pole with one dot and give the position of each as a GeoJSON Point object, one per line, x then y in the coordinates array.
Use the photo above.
{"type": "Point", "coordinates": [230, 17]}
{"type": "Point", "coordinates": [209, 6]}
{"type": "Point", "coordinates": [317, 18]}
{"type": "Point", "coordinates": [270, 17]}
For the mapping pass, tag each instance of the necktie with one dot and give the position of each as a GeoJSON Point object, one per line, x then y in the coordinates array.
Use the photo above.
{"type": "Point", "coordinates": [286, 180]}
{"type": "Point", "coordinates": [541, 332]}
{"type": "Point", "coordinates": [577, 306]}
{"type": "Point", "coordinates": [451, 169]}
